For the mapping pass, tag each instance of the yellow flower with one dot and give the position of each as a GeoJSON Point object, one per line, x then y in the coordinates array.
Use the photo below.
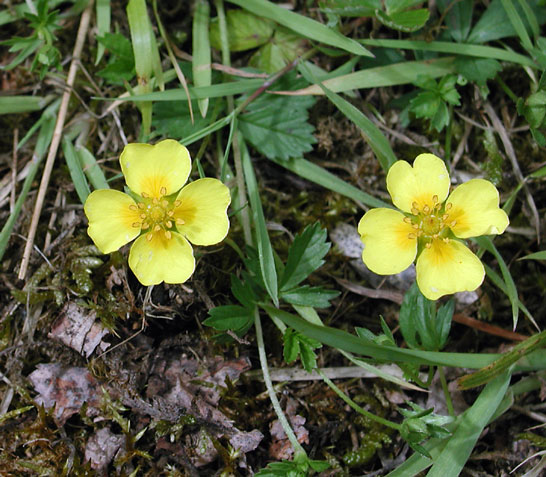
{"type": "Point", "coordinates": [163, 216]}
{"type": "Point", "coordinates": [429, 227]}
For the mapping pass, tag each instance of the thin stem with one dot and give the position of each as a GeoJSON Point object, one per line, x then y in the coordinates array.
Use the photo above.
{"type": "Point", "coordinates": [355, 406]}
{"type": "Point", "coordinates": [298, 449]}
{"type": "Point", "coordinates": [443, 380]}
{"type": "Point", "coordinates": [449, 131]}
{"type": "Point", "coordinates": [507, 89]}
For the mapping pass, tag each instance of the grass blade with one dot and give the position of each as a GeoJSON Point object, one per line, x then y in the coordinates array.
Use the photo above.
{"type": "Point", "coordinates": [201, 64]}
{"type": "Point", "coordinates": [302, 25]}
{"type": "Point", "coordinates": [22, 104]}
{"type": "Point", "coordinates": [76, 172]}
{"type": "Point", "coordinates": [265, 251]}
{"type": "Point", "coordinates": [91, 168]}
{"type": "Point", "coordinates": [103, 24]}
{"type": "Point", "coordinates": [517, 23]}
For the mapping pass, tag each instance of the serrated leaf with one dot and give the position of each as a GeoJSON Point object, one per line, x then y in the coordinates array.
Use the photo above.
{"type": "Point", "coordinates": [243, 292]}
{"type": "Point", "coordinates": [308, 357]}
{"type": "Point", "coordinates": [291, 348]}
{"type": "Point", "coordinates": [245, 31]}
{"type": "Point", "coordinates": [172, 119]}
{"type": "Point", "coordinates": [408, 21]}
{"type": "Point", "coordinates": [280, 50]}
{"type": "Point", "coordinates": [317, 297]}
{"type": "Point", "coordinates": [277, 125]}
{"type": "Point", "coordinates": [229, 317]}
{"type": "Point", "coordinates": [305, 256]}
{"type": "Point", "coordinates": [458, 17]}
{"type": "Point", "coordinates": [477, 70]}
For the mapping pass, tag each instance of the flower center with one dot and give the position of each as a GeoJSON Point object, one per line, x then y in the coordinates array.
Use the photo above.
{"type": "Point", "coordinates": [430, 223]}
{"type": "Point", "coordinates": [157, 215]}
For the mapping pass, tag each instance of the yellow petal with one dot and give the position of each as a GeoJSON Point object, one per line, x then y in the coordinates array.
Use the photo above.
{"type": "Point", "coordinates": [447, 268]}
{"type": "Point", "coordinates": [155, 170]}
{"type": "Point", "coordinates": [388, 248]}
{"type": "Point", "coordinates": [202, 214]}
{"type": "Point", "coordinates": [161, 259]}
{"type": "Point", "coordinates": [111, 219]}
{"type": "Point", "coordinates": [427, 178]}
{"type": "Point", "coordinates": [475, 210]}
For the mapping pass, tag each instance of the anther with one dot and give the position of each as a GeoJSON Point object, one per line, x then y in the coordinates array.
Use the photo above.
{"type": "Point", "coordinates": [168, 234]}
{"type": "Point", "coordinates": [136, 225]}
{"type": "Point", "coordinates": [155, 201]}
{"type": "Point", "coordinates": [164, 203]}
{"type": "Point", "coordinates": [144, 195]}
{"type": "Point", "coordinates": [428, 245]}
{"type": "Point", "coordinates": [446, 240]}
{"type": "Point", "coordinates": [415, 226]}
{"type": "Point", "coordinates": [145, 225]}
{"type": "Point", "coordinates": [149, 236]}
{"type": "Point", "coordinates": [426, 209]}
{"type": "Point", "coordinates": [448, 206]}
{"type": "Point", "coordinates": [177, 203]}
{"type": "Point", "coordinates": [163, 191]}
{"type": "Point", "coordinates": [180, 222]}
{"type": "Point", "coordinates": [412, 236]}
{"type": "Point", "coordinates": [407, 220]}
{"type": "Point", "coordinates": [170, 213]}
{"type": "Point", "coordinates": [435, 199]}
{"type": "Point", "coordinates": [133, 207]}
{"type": "Point", "coordinates": [169, 224]}
{"type": "Point", "coordinates": [141, 205]}
{"type": "Point", "coordinates": [157, 228]}
{"type": "Point", "coordinates": [453, 223]}
{"type": "Point", "coordinates": [142, 216]}
{"type": "Point", "coordinates": [445, 217]}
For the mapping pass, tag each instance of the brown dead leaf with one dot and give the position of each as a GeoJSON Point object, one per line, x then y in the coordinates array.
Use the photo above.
{"type": "Point", "coordinates": [76, 327]}
{"type": "Point", "coordinates": [101, 448]}
{"type": "Point", "coordinates": [280, 448]}
{"type": "Point", "coordinates": [66, 389]}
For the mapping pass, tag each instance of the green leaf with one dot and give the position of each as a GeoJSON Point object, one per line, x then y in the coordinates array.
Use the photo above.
{"type": "Point", "coordinates": [103, 24]}
{"type": "Point", "coordinates": [230, 317]}
{"type": "Point", "coordinates": [291, 348]}
{"type": "Point", "coordinates": [265, 251]}
{"type": "Point", "coordinates": [75, 169]}
{"type": "Point", "coordinates": [408, 21]}
{"type": "Point", "coordinates": [91, 168]}
{"type": "Point", "coordinates": [535, 256]}
{"type": "Point", "coordinates": [350, 8]}
{"type": "Point", "coordinates": [302, 25]}
{"type": "Point", "coordinates": [245, 31]}
{"type": "Point", "coordinates": [296, 344]}
{"type": "Point", "coordinates": [458, 17]}
{"type": "Point", "coordinates": [243, 292]}
{"type": "Point", "coordinates": [277, 125]}
{"type": "Point", "coordinates": [280, 50]}
{"type": "Point", "coordinates": [316, 297]}
{"type": "Point", "coordinates": [477, 70]}
{"type": "Point", "coordinates": [172, 119]}
{"type": "Point", "coordinates": [22, 104]}
{"type": "Point", "coordinates": [305, 256]}
{"type": "Point", "coordinates": [201, 63]}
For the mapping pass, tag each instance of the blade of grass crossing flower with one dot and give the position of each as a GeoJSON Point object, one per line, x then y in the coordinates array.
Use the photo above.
{"type": "Point", "coordinates": [42, 145]}
{"type": "Point", "coordinates": [511, 291]}
{"type": "Point", "coordinates": [321, 176]}
{"type": "Point", "coordinates": [91, 168]}
{"type": "Point", "coordinates": [302, 25]}
{"type": "Point", "coordinates": [517, 23]}
{"type": "Point", "coordinates": [535, 256]}
{"type": "Point", "coordinates": [480, 51]}
{"type": "Point", "coordinates": [75, 169]}
{"type": "Point", "coordinates": [452, 459]}
{"type": "Point", "coordinates": [265, 251]}
{"type": "Point", "coordinates": [201, 64]}
{"type": "Point", "coordinates": [215, 126]}
{"type": "Point", "coordinates": [103, 24]}
{"type": "Point", "coordinates": [371, 133]}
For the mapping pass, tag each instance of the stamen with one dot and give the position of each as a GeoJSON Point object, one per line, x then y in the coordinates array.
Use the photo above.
{"type": "Point", "coordinates": [426, 209]}
{"type": "Point", "coordinates": [145, 195]}
{"type": "Point", "coordinates": [407, 220]}
{"type": "Point", "coordinates": [412, 236]}
{"type": "Point", "coordinates": [446, 240]}
{"type": "Point", "coordinates": [177, 203]}
{"type": "Point", "coordinates": [142, 216]}
{"type": "Point", "coordinates": [149, 236]}
{"type": "Point", "coordinates": [133, 207]}
{"type": "Point", "coordinates": [434, 199]}
{"type": "Point", "coordinates": [168, 234]}
{"type": "Point", "coordinates": [445, 217]}
{"type": "Point", "coordinates": [141, 205]}
{"type": "Point", "coordinates": [164, 203]}
{"type": "Point", "coordinates": [453, 223]}
{"type": "Point", "coordinates": [136, 225]}
{"type": "Point", "coordinates": [145, 225]}
{"type": "Point", "coordinates": [415, 211]}
{"type": "Point", "coordinates": [157, 228]}
{"type": "Point", "coordinates": [163, 191]}
{"type": "Point", "coordinates": [428, 245]}
{"type": "Point", "coordinates": [169, 224]}
{"type": "Point", "coordinates": [415, 226]}
{"type": "Point", "coordinates": [170, 213]}
{"type": "Point", "coordinates": [180, 221]}
{"type": "Point", "coordinates": [448, 206]}
{"type": "Point", "coordinates": [155, 201]}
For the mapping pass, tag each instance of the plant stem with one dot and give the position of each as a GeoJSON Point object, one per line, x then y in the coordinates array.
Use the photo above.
{"type": "Point", "coordinates": [298, 449]}
{"type": "Point", "coordinates": [443, 380]}
{"type": "Point", "coordinates": [356, 407]}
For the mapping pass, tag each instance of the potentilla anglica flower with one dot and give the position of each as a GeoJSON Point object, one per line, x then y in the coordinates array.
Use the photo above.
{"type": "Point", "coordinates": [430, 226]}
{"type": "Point", "coordinates": [161, 214]}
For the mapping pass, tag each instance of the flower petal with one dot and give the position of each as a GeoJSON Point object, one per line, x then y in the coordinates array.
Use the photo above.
{"type": "Point", "coordinates": [388, 248]}
{"type": "Point", "coordinates": [427, 178]}
{"type": "Point", "coordinates": [203, 210]}
{"type": "Point", "coordinates": [447, 268]}
{"type": "Point", "coordinates": [475, 210]}
{"type": "Point", "coordinates": [110, 219]}
{"type": "Point", "coordinates": [161, 259]}
{"type": "Point", "coordinates": [150, 168]}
